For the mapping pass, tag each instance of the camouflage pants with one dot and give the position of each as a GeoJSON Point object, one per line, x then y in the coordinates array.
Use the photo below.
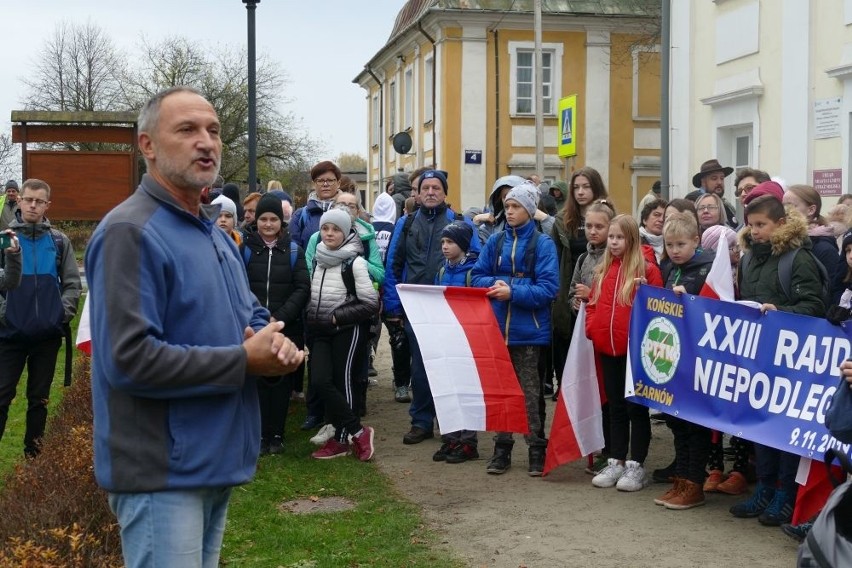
{"type": "Point", "coordinates": [525, 362]}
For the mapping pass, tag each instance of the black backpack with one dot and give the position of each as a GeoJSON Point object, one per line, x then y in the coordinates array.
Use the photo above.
{"type": "Point", "coordinates": [529, 255]}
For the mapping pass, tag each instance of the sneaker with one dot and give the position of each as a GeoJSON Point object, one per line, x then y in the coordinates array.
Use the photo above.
{"type": "Point", "coordinates": [443, 452]}
{"type": "Point", "coordinates": [798, 532]}
{"type": "Point", "coordinates": [664, 474]}
{"type": "Point", "coordinates": [736, 484]}
{"type": "Point", "coordinates": [362, 444]}
{"type": "Point", "coordinates": [711, 484]}
{"type": "Point", "coordinates": [673, 490]}
{"type": "Point", "coordinates": [332, 449]}
{"type": "Point", "coordinates": [691, 495]}
{"type": "Point", "coordinates": [312, 422]}
{"type": "Point", "coordinates": [755, 505]}
{"type": "Point", "coordinates": [462, 453]}
{"type": "Point", "coordinates": [371, 371]}
{"type": "Point", "coordinates": [779, 510]}
{"type": "Point", "coordinates": [548, 389]}
{"type": "Point", "coordinates": [633, 478]}
{"type": "Point", "coordinates": [325, 434]}
{"type": "Point", "coordinates": [501, 461]}
{"type": "Point", "coordinates": [276, 445]}
{"type": "Point", "coordinates": [417, 435]}
{"type": "Point", "coordinates": [402, 394]}
{"type": "Point", "coordinates": [608, 476]}
{"type": "Point", "coordinates": [599, 463]}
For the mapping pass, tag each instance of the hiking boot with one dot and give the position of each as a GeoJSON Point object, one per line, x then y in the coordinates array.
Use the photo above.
{"type": "Point", "coordinates": [633, 478]}
{"type": "Point", "coordinates": [673, 490]}
{"type": "Point", "coordinates": [312, 422]}
{"type": "Point", "coordinates": [462, 453]}
{"type": "Point", "coordinates": [608, 476]}
{"type": "Point", "coordinates": [362, 444]}
{"type": "Point", "coordinates": [716, 477]}
{"type": "Point", "coordinates": [736, 484]}
{"type": "Point", "coordinates": [779, 510]}
{"type": "Point", "coordinates": [691, 495]}
{"type": "Point", "coordinates": [501, 461]}
{"type": "Point", "coordinates": [798, 532]}
{"type": "Point", "coordinates": [276, 445]}
{"type": "Point", "coordinates": [756, 504]}
{"type": "Point", "coordinates": [325, 434]}
{"type": "Point", "coordinates": [443, 452]}
{"type": "Point", "coordinates": [664, 474]}
{"type": "Point", "coordinates": [417, 435]}
{"type": "Point", "coordinates": [599, 463]}
{"type": "Point", "coordinates": [536, 460]}
{"type": "Point", "coordinates": [402, 394]}
{"type": "Point", "coordinates": [332, 449]}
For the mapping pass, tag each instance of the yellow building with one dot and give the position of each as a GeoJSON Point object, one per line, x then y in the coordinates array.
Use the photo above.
{"type": "Point", "coordinates": [457, 76]}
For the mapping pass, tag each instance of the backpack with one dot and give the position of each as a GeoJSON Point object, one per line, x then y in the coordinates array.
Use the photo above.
{"type": "Point", "coordinates": [529, 255]}
{"type": "Point", "coordinates": [347, 273]}
{"type": "Point", "coordinates": [829, 542]}
{"type": "Point", "coordinates": [785, 273]}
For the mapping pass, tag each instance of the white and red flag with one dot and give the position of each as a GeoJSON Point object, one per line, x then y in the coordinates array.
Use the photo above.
{"type": "Point", "coordinates": [473, 382]}
{"type": "Point", "coordinates": [719, 284]}
{"type": "Point", "coordinates": [577, 428]}
{"type": "Point", "coordinates": [84, 330]}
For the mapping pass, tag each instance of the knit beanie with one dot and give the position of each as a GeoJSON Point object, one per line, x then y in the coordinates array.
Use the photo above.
{"type": "Point", "coordinates": [460, 233]}
{"type": "Point", "coordinates": [772, 188]}
{"type": "Point", "coordinates": [439, 175]}
{"type": "Point", "coordinates": [337, 217]}
{"type": "Point", "coordinates": [717, 237]}
{"type": "Point", "coordinates": [847, 240]}
{"type": "Point", "coordinates": [527, 195]}
{"type": "Point", "coordinates": [227, 205]}
{"type": "Point", "coordinates": [269, 204]}
{"type": "Point", "coordinates": [11, 184]}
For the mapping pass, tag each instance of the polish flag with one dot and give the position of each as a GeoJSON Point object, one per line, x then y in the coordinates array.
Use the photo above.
{"type": "Point", "coordinates": [719, 284]}
{"type": "Point", "coordinates": [470, 373]}
{"type": "Point", "coordinates": [84, 330]}
{"type": "Point", "coordinates": [577, 428]}
{"type": "Point", "coordinates": [815, 488]}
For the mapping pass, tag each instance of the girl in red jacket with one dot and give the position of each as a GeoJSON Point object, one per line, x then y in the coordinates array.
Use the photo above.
{"type": "Point", "coordinates": [623, 268]}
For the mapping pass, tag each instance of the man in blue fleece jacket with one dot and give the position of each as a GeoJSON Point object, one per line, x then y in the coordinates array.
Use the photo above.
{"type": "Point", "coordinates": [177, 421]}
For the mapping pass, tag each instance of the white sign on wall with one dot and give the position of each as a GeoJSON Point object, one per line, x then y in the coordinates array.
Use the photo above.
{"type": "Point", "coordinates": [827, 118]}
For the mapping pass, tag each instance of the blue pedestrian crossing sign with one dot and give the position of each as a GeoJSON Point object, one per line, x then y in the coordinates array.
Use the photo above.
{"type": "Point", "coordinates": [567, 142]}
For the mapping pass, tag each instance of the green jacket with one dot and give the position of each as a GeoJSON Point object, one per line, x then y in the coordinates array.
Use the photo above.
{"type": "Point", "coordinates": [568, 250]}
{"type": "Point", "coordinates": [760, 282]}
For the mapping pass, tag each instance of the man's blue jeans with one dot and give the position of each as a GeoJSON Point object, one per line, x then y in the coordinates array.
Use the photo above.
{"type": "Point", "coordinates": [172, 528]}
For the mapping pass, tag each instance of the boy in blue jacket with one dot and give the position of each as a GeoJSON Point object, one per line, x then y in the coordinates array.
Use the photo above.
{"type": "Point", "coordinates": [459, 260]}
{"type": "Point", "coordinates": [519, 268]}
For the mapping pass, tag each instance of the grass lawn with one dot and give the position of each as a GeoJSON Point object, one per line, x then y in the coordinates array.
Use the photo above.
{"type": "Point", "coordinates": [381, 530]}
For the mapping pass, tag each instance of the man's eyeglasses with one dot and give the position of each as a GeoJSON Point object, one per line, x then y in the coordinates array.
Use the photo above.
{"type": "Point", "coordinates": [31, 200]}
{"type": "Point", "coordinates": [325, 181]}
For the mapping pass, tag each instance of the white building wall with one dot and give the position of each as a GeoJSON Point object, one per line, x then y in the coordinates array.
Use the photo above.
{"type": "Point", "coordinates": [473, 114]}
{"type": "Point", "coordinates": [597, 101]}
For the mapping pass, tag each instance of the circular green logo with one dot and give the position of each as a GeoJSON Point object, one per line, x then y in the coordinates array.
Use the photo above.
{"type": "Point", "coordinates": [660, 350]}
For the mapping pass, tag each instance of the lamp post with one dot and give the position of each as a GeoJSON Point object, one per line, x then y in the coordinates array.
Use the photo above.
{"type": "Point", "coordinates": [252, 98]}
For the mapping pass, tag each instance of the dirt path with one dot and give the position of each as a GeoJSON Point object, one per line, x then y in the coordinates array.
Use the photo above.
{"type": "Point", "coordinates": [513, 520]}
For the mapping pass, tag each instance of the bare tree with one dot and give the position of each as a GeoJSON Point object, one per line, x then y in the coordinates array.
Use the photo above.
{"type": "Point", "coordinates": [78, 69]}
{"type": "Point", "coordinates": [352, 162]}
{"type": "Point", "coordinates": [10, 165]}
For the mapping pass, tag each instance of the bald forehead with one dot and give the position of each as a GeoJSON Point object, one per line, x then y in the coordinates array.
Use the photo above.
{"type": "Point", "coordinates": [186, 101]}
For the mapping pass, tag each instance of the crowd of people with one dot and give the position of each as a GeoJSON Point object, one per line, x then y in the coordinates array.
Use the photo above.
{"type": "Point", "coordinates": [187, 394]}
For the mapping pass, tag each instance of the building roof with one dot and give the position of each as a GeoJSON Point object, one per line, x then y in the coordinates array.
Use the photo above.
{"type": "Point", "coordinates": [415, 9]}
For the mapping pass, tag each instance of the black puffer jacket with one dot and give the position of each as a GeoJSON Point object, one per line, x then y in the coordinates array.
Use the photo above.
{"type": "Point", "coordinates": [283, 290]}
{"type": "Point", "coordinates": [691, 274]}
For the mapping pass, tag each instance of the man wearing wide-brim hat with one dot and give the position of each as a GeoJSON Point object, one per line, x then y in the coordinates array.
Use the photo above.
{"type": "Point", "coordinates": [711, 179]}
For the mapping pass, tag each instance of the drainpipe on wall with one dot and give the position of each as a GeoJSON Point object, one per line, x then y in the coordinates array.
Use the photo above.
{"type": "Point", "coordinates": [665, 70]}
{"type": "Point", "coordinates": [381, 125]}
{"type": "Point", "coordinates": [496, 107]}
{"type": "Point", "coordinates": [434, 93]}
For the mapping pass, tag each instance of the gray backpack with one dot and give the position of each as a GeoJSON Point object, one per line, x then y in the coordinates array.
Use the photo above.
{"type": "Point", "coordinates": [829, 542]}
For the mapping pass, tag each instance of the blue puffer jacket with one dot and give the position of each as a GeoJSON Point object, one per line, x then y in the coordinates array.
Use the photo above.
{"type": "Point", "coordinates": [525, 318]}
{"type": "Point", "coordinates": [457, 274]}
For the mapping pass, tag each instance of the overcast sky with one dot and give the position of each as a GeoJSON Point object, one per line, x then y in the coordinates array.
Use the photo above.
{"type": "Point", "coordinates": [321, 45]}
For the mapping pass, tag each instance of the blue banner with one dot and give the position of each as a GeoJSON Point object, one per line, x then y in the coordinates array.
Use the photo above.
{"type": "Point", "coordinates": [764, 377]}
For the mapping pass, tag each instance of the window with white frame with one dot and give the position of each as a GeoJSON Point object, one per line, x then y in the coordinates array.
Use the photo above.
{"type": "Point", "coordinates": [428, 88]}
{"type": "Point", "coordinates": [392, 109]}
{"type": "Point", "coordinates": [408, 85]}
{"type": "Point", "coordinates": [376, 120]}
{"type": "Point", "coordinates": [523, 80]}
